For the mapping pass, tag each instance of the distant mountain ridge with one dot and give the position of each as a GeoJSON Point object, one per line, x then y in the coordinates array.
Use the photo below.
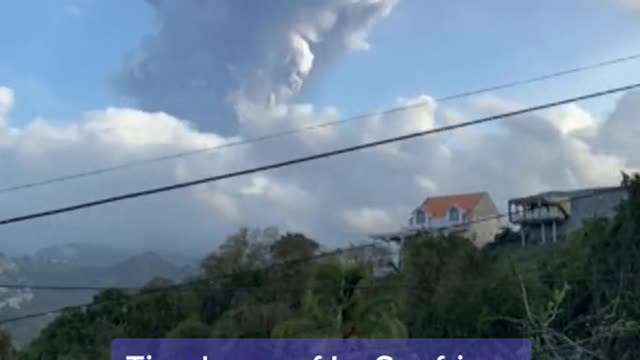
{"type": "Point", "coordinates": [140, 269]}
{"type": "Point", "coordinates": [74, 265]}
{"type": "Point", "coordinates": [98, 255]}
{"type": "Point", "coordinates": [81, 254]}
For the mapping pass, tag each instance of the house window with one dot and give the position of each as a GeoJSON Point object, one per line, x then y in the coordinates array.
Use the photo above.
{"type": "Point", "coordinates": [454, 214]}
{"type": "Point", "coordinates": [420, 217]}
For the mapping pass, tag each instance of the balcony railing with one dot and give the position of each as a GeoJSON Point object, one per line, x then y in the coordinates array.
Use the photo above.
{"type": "Point", "coordinates": [538, 214]}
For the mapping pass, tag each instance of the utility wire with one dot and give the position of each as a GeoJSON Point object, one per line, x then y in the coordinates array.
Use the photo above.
{"type": "Point", "coordinates": [304, 159]}
{"type": "Point", "coordinates": [135, 163]}
{"type": "Point", "coordinates": [579, 279]}
{"type": "Point", "coordinates": [271, 267]}
{"type": "Point", "coordinates": [182, 286]}
{"type": "Point", "coordinates": [288, 264]}
{"type": "Point", "coordinates": [190, 284]}
{"type": "Point", "coordinates": [336, 252]}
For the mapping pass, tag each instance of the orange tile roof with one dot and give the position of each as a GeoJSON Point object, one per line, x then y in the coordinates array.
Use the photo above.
{"type": "Point", "coordinates": [439, 205]}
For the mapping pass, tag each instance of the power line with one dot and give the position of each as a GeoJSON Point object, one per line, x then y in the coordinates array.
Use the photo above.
{"type": "Point", "coordinates": [186, 285]}
{"type": "Point", "coordinates": [602, 279]}
{"type": "Point", "coordinates": [274, 266]}
{"type": "Point", "coordinates": [131, 164]}
{"type": "Point", "coordinates": [336, 252]}
{"type": "Point", "coordinates": [304, 159]}
{"type": "Point", "coordinates": [194, 282]}
{"type": "Point", "coordinates": [339, 251]}
{"type": "Point", "coordinates": [65, 287]}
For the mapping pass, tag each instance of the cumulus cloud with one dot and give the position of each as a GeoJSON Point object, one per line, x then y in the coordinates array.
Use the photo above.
{"type": "Point", "coordinates": [216, 72]}
{"type": "Point", "coordinates": [336, 200]}
{"type": "Point", "coordinates": [369, 220]}
{"type": "Point", "coordinates": [620, 133]}
{"type": "Point", "coordinates": [6, 103]}
{"type": "Point", "coordinates": [208, 60]}
{"type": "Point", "coordinates": [112, 136]}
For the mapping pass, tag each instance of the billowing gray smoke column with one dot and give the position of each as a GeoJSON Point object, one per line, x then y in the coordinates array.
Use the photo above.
{"type": "Point", "coordinates": [209, 58]}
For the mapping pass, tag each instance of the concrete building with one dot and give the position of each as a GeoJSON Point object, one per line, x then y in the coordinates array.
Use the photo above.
{"type": "Point", "coordinates": [554, 215]}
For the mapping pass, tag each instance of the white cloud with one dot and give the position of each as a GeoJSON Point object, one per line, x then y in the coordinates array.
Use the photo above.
{"type": "Point", "coordinates": [572, 119]}
{"type": "Point", "coordinates": [6, 103]}
{"type": "Point", "coordinates": [619, 135]}
{"type": "Point", "coordinates": [369, 220]}
{"type": "Point", "coordinates": [427, 184]}
{"type": "Point", "coordinates": [246, 65]}
{"type": "Point", "coordinates": [285, 196]}
{"type": "Point", "coordinates": [222, 204]}
{"type": "Point", "coordinates": [336, 200]}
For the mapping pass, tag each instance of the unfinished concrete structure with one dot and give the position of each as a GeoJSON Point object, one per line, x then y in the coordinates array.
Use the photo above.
{"type": "Point", "coordinates": [554, 215]}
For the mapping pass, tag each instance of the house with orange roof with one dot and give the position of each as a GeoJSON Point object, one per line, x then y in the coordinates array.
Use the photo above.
{"type": "Point", "coordinates": [472, 215]}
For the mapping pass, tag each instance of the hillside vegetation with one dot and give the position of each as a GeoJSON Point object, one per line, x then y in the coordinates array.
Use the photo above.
{"type": "Point", "coordinates": [579, 299]}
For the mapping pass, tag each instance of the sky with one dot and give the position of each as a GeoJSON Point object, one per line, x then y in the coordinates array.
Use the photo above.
{"type": "Point", "coordinates": [88, 83]}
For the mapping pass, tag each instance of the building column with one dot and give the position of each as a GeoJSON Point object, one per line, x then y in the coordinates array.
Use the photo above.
{"type": "Point", "coordinates": [522, 241]}
{"type": "Point", "coordinates": [544, 235]}
{"type": "Point", "coordinates": [554, 232]}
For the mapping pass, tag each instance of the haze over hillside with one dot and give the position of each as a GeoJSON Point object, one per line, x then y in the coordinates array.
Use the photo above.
{"type": "Point", "coordinates": [75, 265]}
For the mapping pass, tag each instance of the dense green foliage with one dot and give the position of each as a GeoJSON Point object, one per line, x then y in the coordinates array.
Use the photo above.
{"type": "Point", "coordinates": [7, 352]}
{"type": "Point", "coordinates": [579, 299]}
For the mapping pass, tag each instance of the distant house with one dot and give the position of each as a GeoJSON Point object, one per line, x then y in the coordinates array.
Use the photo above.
{"type": "Point", "coordinates": [472, 215]}
{"type": "Point", "coordinates": [552, 216]}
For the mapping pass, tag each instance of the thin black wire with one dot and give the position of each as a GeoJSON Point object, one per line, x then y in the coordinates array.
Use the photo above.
{"type": "Point", "coordinates": [130, 164]}
{"type": "Point", "coordinates": [602, 279]}
{"type": "Point", "coordinates": [300, 160]}
{"type": "Point", "coordinates": [186, 285]}
{"type": "Point", "coordinates": [190, 284]}
{"type": "Point", "coordinates": [287, 263]}
{"type": "Point", "coordinates": [270, 267]}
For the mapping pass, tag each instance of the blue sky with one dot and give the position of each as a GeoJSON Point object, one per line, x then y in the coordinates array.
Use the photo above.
{"type": "Point", "coordinates": [60, 57]}
{"type": "Point", "coordinates": [62, 54]}
{"type": "Point", "coordinates": [443, 47]}
{"type": "Point", "coordinates": [61, 60]}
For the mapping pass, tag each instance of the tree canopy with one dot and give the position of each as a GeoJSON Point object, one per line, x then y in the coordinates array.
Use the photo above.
{"type": "Point", "coordinates": [578, 299]}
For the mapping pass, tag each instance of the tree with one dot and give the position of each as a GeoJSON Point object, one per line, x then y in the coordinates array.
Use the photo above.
{"type": "Point", "coordinates": [232, 272]}
{"type": "Point", "coordinates": [599, 265]}
{"type": "Point", "coordinates": [577, 299]}
{"type": "Point", "coordinates": [65, 336]}
{"type": "Point", "coordinates": [253, 320]}
{"type": "Point", "coordinates": [7, 351]}
{"type": "Point", "coordinates": [246, 249]}
{"type": "Point", "coordinates": [191, 328]}
{"type": "Point", "coordinates": [292, 247]}
{"type": "Point", "coordinates": [340, 304]}
{"type": "Point", "coordinates": [456, 290]}
{"type": "Point", "coordinates": [292, 269]}
{"type": "Point", "coordinates": [505, 240]}
{"type": "Point", "coordinates": [158, 309]}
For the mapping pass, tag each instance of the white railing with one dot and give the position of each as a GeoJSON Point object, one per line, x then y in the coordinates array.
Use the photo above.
{"type": "Point", "coordinates": [538, 214]}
